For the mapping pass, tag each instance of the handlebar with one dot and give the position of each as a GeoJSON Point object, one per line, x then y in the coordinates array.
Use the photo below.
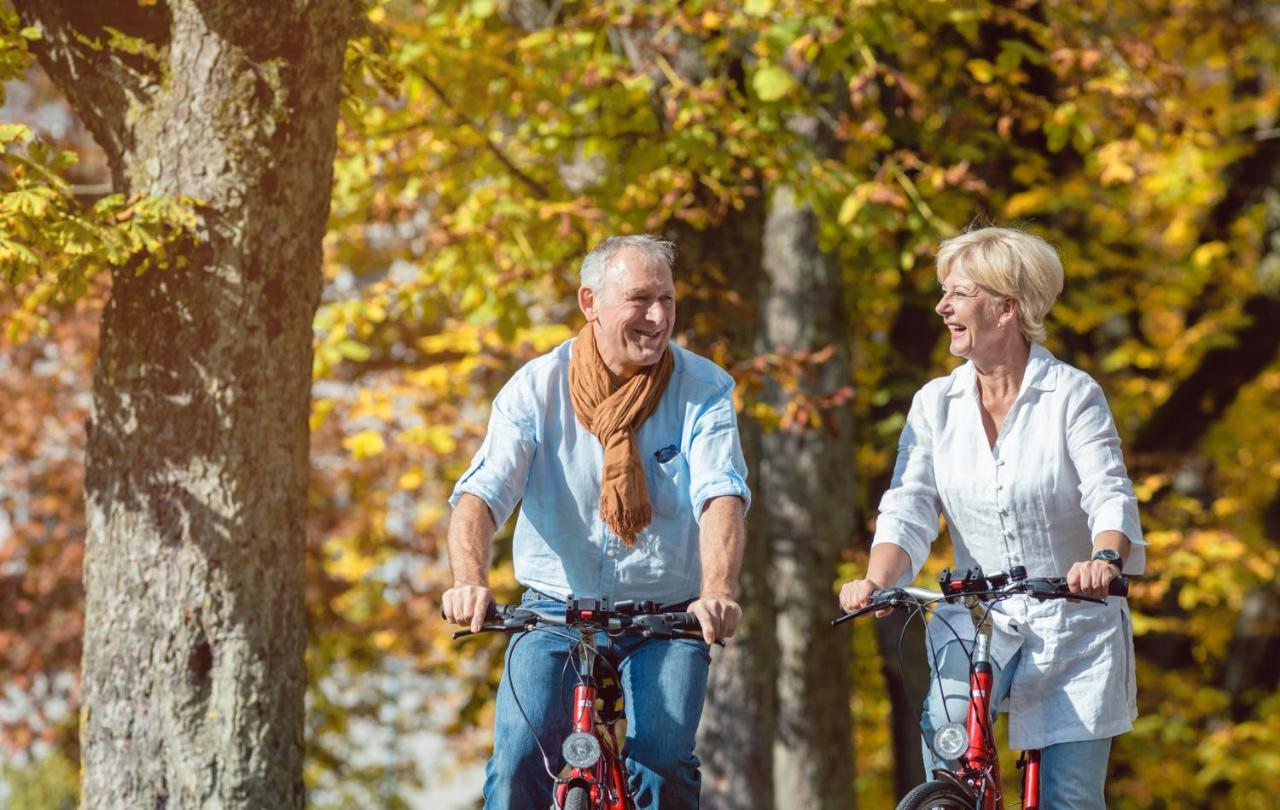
{"type": "Point", "coordinates": [985, 587]}
{"type": "Point", "coordinates": [645, 619]}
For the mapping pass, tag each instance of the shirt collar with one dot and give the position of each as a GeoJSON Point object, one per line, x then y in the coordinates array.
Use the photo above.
{"type": "Point", "coordinates": [1041, 373]}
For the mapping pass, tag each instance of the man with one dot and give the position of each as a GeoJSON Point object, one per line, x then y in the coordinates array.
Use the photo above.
{"type": "Point", "coordinates": [624, 450]}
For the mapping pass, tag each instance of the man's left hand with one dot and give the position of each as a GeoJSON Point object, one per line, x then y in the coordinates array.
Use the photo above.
{"type": "Point", "coordinates": [718, 615]}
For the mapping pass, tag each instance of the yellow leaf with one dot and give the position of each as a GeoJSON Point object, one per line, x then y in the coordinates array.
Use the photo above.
{"type": "Point", "coordinates": [365, 444]}
{"type": "Point", "coordinates": [412, 478]}
{"type": "Point", "coordinates": [981, 69]}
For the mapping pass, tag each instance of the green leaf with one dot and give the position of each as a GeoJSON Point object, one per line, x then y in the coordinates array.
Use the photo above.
{"type": "Point", "coordinates": [772, 82]}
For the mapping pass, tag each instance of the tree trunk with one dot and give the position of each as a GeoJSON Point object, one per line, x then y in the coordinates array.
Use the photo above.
{"type": "Point", "coordinates": [735, 738]}
{"type": "Point", "coordinates": [802, 473]}
{"type": "Point", "coordinates": [197, 458]}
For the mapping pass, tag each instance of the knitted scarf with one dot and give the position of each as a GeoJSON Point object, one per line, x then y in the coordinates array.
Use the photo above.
{"type": "Point", "coordinates": [614, 416]}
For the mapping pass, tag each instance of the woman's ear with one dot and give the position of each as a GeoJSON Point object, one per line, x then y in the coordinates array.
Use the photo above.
{"type": "Point", "coordinates": [1008, 310]}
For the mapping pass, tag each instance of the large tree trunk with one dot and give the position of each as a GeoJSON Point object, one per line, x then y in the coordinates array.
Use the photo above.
{"type": "Point", "coordinates": [193, 671]}
{"type": "Point", "coordinates": [735, 738]}
{"type": "Point", "coordinates": [802, 473]}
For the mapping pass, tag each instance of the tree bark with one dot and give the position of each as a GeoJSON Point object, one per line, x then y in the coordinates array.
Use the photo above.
{"type": "Point", "coordinates": [197, 458]}
{"type": "Point", "coordinates": [735, 738]}
{"type": "Point", "coordinates": [802, 473]}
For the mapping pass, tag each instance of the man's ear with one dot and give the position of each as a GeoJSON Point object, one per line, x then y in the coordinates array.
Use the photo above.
{"type": "Point", "coordinates": [587, 302]}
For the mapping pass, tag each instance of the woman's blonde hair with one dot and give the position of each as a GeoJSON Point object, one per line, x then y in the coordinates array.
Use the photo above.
{"type": "Point", "coordinates": [1009, 263]}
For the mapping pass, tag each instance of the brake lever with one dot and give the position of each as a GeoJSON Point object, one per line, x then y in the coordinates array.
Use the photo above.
{"type": "Point", "coordinates": [886, 599]}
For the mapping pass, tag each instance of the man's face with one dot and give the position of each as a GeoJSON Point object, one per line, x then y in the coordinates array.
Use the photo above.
{"type": "Point", "coordinates": [633, 312]}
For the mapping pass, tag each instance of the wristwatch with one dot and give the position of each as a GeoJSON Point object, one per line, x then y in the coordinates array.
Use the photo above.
{"type": "Point", "coordinates": [1109, 555]}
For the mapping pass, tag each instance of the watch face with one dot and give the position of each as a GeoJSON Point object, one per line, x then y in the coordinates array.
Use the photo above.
{"type": "Point", "coordinates": [1107, 554]}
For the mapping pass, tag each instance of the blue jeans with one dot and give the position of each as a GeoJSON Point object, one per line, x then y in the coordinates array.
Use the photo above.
{"type": "Point", "coordinates": [663, 683]}
{"type": "Point", "coordinates": [1072, 775]}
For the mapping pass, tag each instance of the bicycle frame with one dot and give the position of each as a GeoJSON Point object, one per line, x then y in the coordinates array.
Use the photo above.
{"type": "Point", "coordinates": [980, 766]}
{"type": "Point", "coordinates": [606, 779]}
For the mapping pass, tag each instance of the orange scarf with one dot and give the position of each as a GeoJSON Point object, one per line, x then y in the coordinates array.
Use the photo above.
{"type": "Point", "coordinates": [614, 416]}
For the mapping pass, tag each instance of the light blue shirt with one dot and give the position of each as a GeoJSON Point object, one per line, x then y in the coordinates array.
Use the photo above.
{"type": "Point", "coordinates": [537, 451]}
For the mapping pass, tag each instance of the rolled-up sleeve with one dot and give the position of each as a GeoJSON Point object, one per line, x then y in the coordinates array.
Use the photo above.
{"type": "Point", "coordinates": [500, 469]}
{"type": "Point", "coordinates": [910, 507]}
{"type": "Point", "coordinates": [716, 464]}
{"type": "Point", "coordinates": [1106, 493]}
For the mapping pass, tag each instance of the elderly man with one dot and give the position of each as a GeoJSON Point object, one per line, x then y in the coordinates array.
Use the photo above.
{"type": "Point", "coordinates": [624, 450]}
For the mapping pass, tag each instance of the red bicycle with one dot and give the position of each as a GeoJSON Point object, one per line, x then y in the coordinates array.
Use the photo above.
{"type": "Point", "coordinates": [975, 783]}
{"type": "Point", "coordinates": [595, 777]}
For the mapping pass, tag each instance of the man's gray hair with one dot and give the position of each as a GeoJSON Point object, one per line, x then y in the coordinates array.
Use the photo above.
{"type": "Point", "coordinates": [653, 249]}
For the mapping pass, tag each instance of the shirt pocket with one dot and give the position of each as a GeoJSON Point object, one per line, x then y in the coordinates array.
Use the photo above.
{"type": "Point", "coordinates": [668, 484]}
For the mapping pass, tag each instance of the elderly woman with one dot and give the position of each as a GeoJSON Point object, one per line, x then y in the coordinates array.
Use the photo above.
{"type": "Point", "coordinates": [1019, 451]}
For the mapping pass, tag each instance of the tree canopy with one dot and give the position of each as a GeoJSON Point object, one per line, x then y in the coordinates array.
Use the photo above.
{"type": "Point", "coordinates": [485, 146]}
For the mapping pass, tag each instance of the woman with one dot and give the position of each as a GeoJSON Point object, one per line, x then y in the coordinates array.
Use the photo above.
{"type": "Point", "coordinates": [1019, 451]}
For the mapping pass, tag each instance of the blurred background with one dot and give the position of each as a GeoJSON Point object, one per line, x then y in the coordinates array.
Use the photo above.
{"type": "Point", "coordinates": [807, 158]}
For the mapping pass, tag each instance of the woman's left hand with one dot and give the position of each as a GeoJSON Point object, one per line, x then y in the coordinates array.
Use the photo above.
{"type": "Point", "coordinates": [1091, 577]}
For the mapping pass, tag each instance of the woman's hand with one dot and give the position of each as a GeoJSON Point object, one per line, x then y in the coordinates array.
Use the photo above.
{"type": "Point", "coordinates": [857, 594]}
{"type": "Point", "coordinates": [1091, 577]}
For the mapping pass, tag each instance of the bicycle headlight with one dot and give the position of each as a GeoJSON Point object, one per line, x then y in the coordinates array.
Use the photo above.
{"type": "Point", "coordinates": [950, 741]}
{"type": "Point", "coordinates": [581, 750]}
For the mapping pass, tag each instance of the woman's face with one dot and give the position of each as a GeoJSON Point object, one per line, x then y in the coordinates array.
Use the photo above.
{"type": "Point", "coordinates": [972, 315]}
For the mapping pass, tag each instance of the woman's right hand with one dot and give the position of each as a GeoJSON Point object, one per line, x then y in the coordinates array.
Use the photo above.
{"type": "Point", "coordinates": [857, 594]}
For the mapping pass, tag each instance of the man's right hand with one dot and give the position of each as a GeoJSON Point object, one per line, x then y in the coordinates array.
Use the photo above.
{"type": "Point", "coordinates": [467, 604]}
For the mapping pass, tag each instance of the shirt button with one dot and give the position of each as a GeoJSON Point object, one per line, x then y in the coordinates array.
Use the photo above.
{"type": "Point", "coordinates": [612, 552]}
{"type": "Point", "coordinates": [1000, 462]}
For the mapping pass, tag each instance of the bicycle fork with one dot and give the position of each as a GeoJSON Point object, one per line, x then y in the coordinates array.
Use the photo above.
{"type": "Point", "coordinates": [592, 766]}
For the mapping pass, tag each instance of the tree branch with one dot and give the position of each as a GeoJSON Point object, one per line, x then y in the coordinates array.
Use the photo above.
{"type": "Point", "coordinates": [538, 189]}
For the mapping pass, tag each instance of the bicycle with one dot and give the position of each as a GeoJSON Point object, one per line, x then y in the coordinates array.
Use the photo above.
{"type": "Point", "coordinates": [975, 783]}
{"type": "Point", "coordinates": [596, 777]}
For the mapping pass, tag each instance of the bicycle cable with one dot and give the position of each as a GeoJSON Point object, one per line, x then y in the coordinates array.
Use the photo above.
{"type": "Point", "coordinates": [546, 760]}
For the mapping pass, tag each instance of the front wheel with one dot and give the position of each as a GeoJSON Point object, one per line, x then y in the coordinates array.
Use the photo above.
{"type": "Point", "coordinates": [577, 798]}
{"type": "Point", "coordinates": [936, 796]}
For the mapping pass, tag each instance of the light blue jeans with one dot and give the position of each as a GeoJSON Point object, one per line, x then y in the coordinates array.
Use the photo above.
{"type": "Point", "coordinates": [663, 683]}
{"type": "Point", "coordinates": [1073, 775]}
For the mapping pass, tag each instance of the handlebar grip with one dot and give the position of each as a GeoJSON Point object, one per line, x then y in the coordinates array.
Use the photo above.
{"type": "Point", "coordinates": [493, 613]}
{"type": "Point", "coordinates": [683, 621]}
{"type": "Point", "coordinates": [1045, 587]}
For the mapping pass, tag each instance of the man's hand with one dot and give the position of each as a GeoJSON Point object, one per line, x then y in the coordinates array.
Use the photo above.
{"type": "Point", "coordinates": [467, 604]}
{"type": "Point", "coordinates": [718, 615]}
{"type": "Point", "coordinates": [1091, 577]}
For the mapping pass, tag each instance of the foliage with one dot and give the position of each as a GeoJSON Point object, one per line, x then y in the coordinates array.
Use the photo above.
{"type": "Point", "coordinates": [484, 146]}
{"type": "Point", "coordinates": [50, 244]}
{"type": "Point", "coordinates": [50, 783]}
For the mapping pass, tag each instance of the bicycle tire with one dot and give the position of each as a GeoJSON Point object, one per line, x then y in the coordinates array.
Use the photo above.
{"type": "Point", "coordinates": [936, 796]}
{"type": "Point", "coordinates": [577, 799]}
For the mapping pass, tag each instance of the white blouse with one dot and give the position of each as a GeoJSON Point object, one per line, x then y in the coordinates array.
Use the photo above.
{"type": "Point", "coordinates": [1053, 481]}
